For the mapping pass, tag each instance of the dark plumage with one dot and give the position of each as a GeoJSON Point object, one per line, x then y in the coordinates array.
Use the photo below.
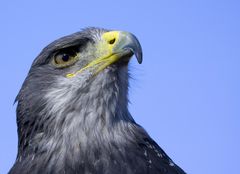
{"type": "Point", "coordinates": [72, 111]}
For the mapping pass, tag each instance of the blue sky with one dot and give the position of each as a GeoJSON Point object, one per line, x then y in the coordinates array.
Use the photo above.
{"type": "Point", "coordinates": [185, 94]}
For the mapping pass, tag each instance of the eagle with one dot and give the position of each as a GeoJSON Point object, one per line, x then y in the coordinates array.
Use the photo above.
{"type": "Point", "coordinates": [72, 110]}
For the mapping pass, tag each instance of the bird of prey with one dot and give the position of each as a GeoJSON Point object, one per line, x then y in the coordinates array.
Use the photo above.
{"type": "Point", "coordinates": [72, 110]}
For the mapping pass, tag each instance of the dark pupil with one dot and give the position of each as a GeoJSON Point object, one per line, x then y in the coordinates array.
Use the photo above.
{"type": "Point", "coordinates": [65, 57]}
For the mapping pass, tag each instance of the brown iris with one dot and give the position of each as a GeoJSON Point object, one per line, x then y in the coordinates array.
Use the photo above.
{"type": "Point", "coordinates": [65, 58]}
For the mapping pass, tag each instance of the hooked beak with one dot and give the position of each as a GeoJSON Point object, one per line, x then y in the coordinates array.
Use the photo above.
{"type": "Point", "coordinates": [123, 43]}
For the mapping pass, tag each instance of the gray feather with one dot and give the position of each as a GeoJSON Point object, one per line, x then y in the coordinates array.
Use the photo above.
{"type": "Point", "coordinates": [81, 125]}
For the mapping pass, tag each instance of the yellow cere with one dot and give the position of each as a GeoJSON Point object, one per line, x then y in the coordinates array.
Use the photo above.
{"type": "Point", "coordinates": [104, 49]}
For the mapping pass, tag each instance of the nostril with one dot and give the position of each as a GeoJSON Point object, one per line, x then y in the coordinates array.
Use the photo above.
{"type": "Point", "coordinates": [112, 41]}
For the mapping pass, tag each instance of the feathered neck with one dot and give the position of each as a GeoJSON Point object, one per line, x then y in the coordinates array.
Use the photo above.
{"type": "Point", "coordinates": [73, 119]}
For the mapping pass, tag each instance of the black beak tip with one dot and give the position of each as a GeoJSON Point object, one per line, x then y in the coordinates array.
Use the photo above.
{"type": "Point", "coordinates": [139, 57]}
{"type": "Point", "coordinates": [137, 49]}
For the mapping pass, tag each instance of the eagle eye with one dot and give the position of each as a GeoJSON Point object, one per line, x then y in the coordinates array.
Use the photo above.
{"type": "Point", "coordinates": [65, 58]}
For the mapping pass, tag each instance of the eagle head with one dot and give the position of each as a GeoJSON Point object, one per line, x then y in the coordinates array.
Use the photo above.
{"type": "Point", "coordinates": [76, 93]}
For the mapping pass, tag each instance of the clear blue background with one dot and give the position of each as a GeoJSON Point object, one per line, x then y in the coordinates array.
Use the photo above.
{"type": "Point", "coordinates": [187, 91]}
